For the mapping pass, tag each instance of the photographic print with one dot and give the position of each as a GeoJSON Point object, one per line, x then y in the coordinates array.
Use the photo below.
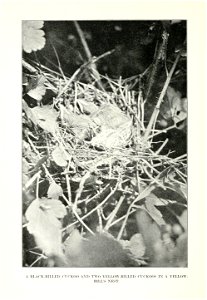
{"type": "Point", "coordinates": [104, 143]}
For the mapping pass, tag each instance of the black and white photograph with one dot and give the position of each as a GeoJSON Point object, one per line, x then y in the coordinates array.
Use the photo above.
{"type": "Point", "coordinates": [104, 143]}
{"type": "Point", "coordinates": [103, 149]}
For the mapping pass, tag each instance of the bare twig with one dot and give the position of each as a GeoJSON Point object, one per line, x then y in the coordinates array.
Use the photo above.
{"type": "Point", "coordinates": [159, 56]}
{"type": "Point", "coordinates": [88, 54]}
{"type": "Point", "coordinates": [114, 212]}
{"type": "Point", "coordinates": [59, 65]}
{"type": "Point", "coordinates": [162, 146]}
{"type": "Point", "coordinates": [94, 209]}
{"type": "Point", "coordinates": [29, 67]}
{"type": "Point", "coordinates": [157, 107]}
{"type": "Point", "coordinates": [81, 187]}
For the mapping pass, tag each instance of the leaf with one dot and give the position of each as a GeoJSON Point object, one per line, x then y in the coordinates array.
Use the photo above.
{"type": "Point", "coordinates": [32, 37]}
{"type": "Point", "coordinates": [149, 229]}
{"type": "Point", "coordinates": [60, 157]}
{"type": "Point", "coordinates": [180, 189]}
{"type": "Point", "coordinates": [172, 193]}
{"type": "Point", "coordinates": [175, 21]}
{"type": "Point", "coordinates": [181, 251]}
{"type": "Point", "coordinates": [156, 201]}
{"type": "Point", "coordinates": [38, 89]}
{"type": "Point", "coordinates": [174, 107]}
{"type": "Point", "coordinates": [43, 222]}
{"type": "Point", "coordinates": [179, 109]}
{"type": "Point", "coordinates": [45, 117]}
{"type": "Point", "coordinates": [54, 191]}
{"type": "Point", "coordinates": [154, 213]}
{"type": "Point", "coordinates": [53, 208]}
{"type": "Point", "coordinates": [73, 244]}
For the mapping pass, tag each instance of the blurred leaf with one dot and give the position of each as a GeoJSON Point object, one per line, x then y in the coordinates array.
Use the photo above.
{"type": "Point", "coordinates": [54, 191]}
{"type": "Point", "coordinates": [137, 246]}
{"type": "Point", "coordinates": [73, 244]}
{"type": "Point", "coordinates": [176, 21]}
{"type": "Point", "coordinates": [42, 216]}
{"type": "Point", "coordinates": [45, 117]}
{"type": "Point", "coordinates": [181, 250]}
{"type": "Point", "coordinates": [149, 229]}
{"type": "Point", "coordinates": [60, 157]}
{"type": "Point", "coordinates": [32, 37]}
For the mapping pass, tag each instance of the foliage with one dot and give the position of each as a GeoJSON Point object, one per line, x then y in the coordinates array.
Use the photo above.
{"type": "Point", "coordinates": [101, 187]}
{"type": "Point", "coordinates": [32, 36]}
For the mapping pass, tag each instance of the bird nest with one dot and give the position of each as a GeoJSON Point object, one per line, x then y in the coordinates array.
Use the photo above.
{"type": "Point", "coordinates": [91, 148]}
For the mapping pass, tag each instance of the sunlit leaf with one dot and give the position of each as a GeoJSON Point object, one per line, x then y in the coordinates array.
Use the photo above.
{"type": "Point", "coordinates": [54, 191]}
{"type": "Point", "coordinates": [60, 157]}
{"type": "Point", "coordinates": [43, 222]}
{"type": "Point", "coordinates": [32, 36]}
{"type": "Point", "coordinates": [45, 117]}
{"type": "Point", "coordinates": [174, 107]}
{"type": "Point", "coordinates": [51, 207]}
